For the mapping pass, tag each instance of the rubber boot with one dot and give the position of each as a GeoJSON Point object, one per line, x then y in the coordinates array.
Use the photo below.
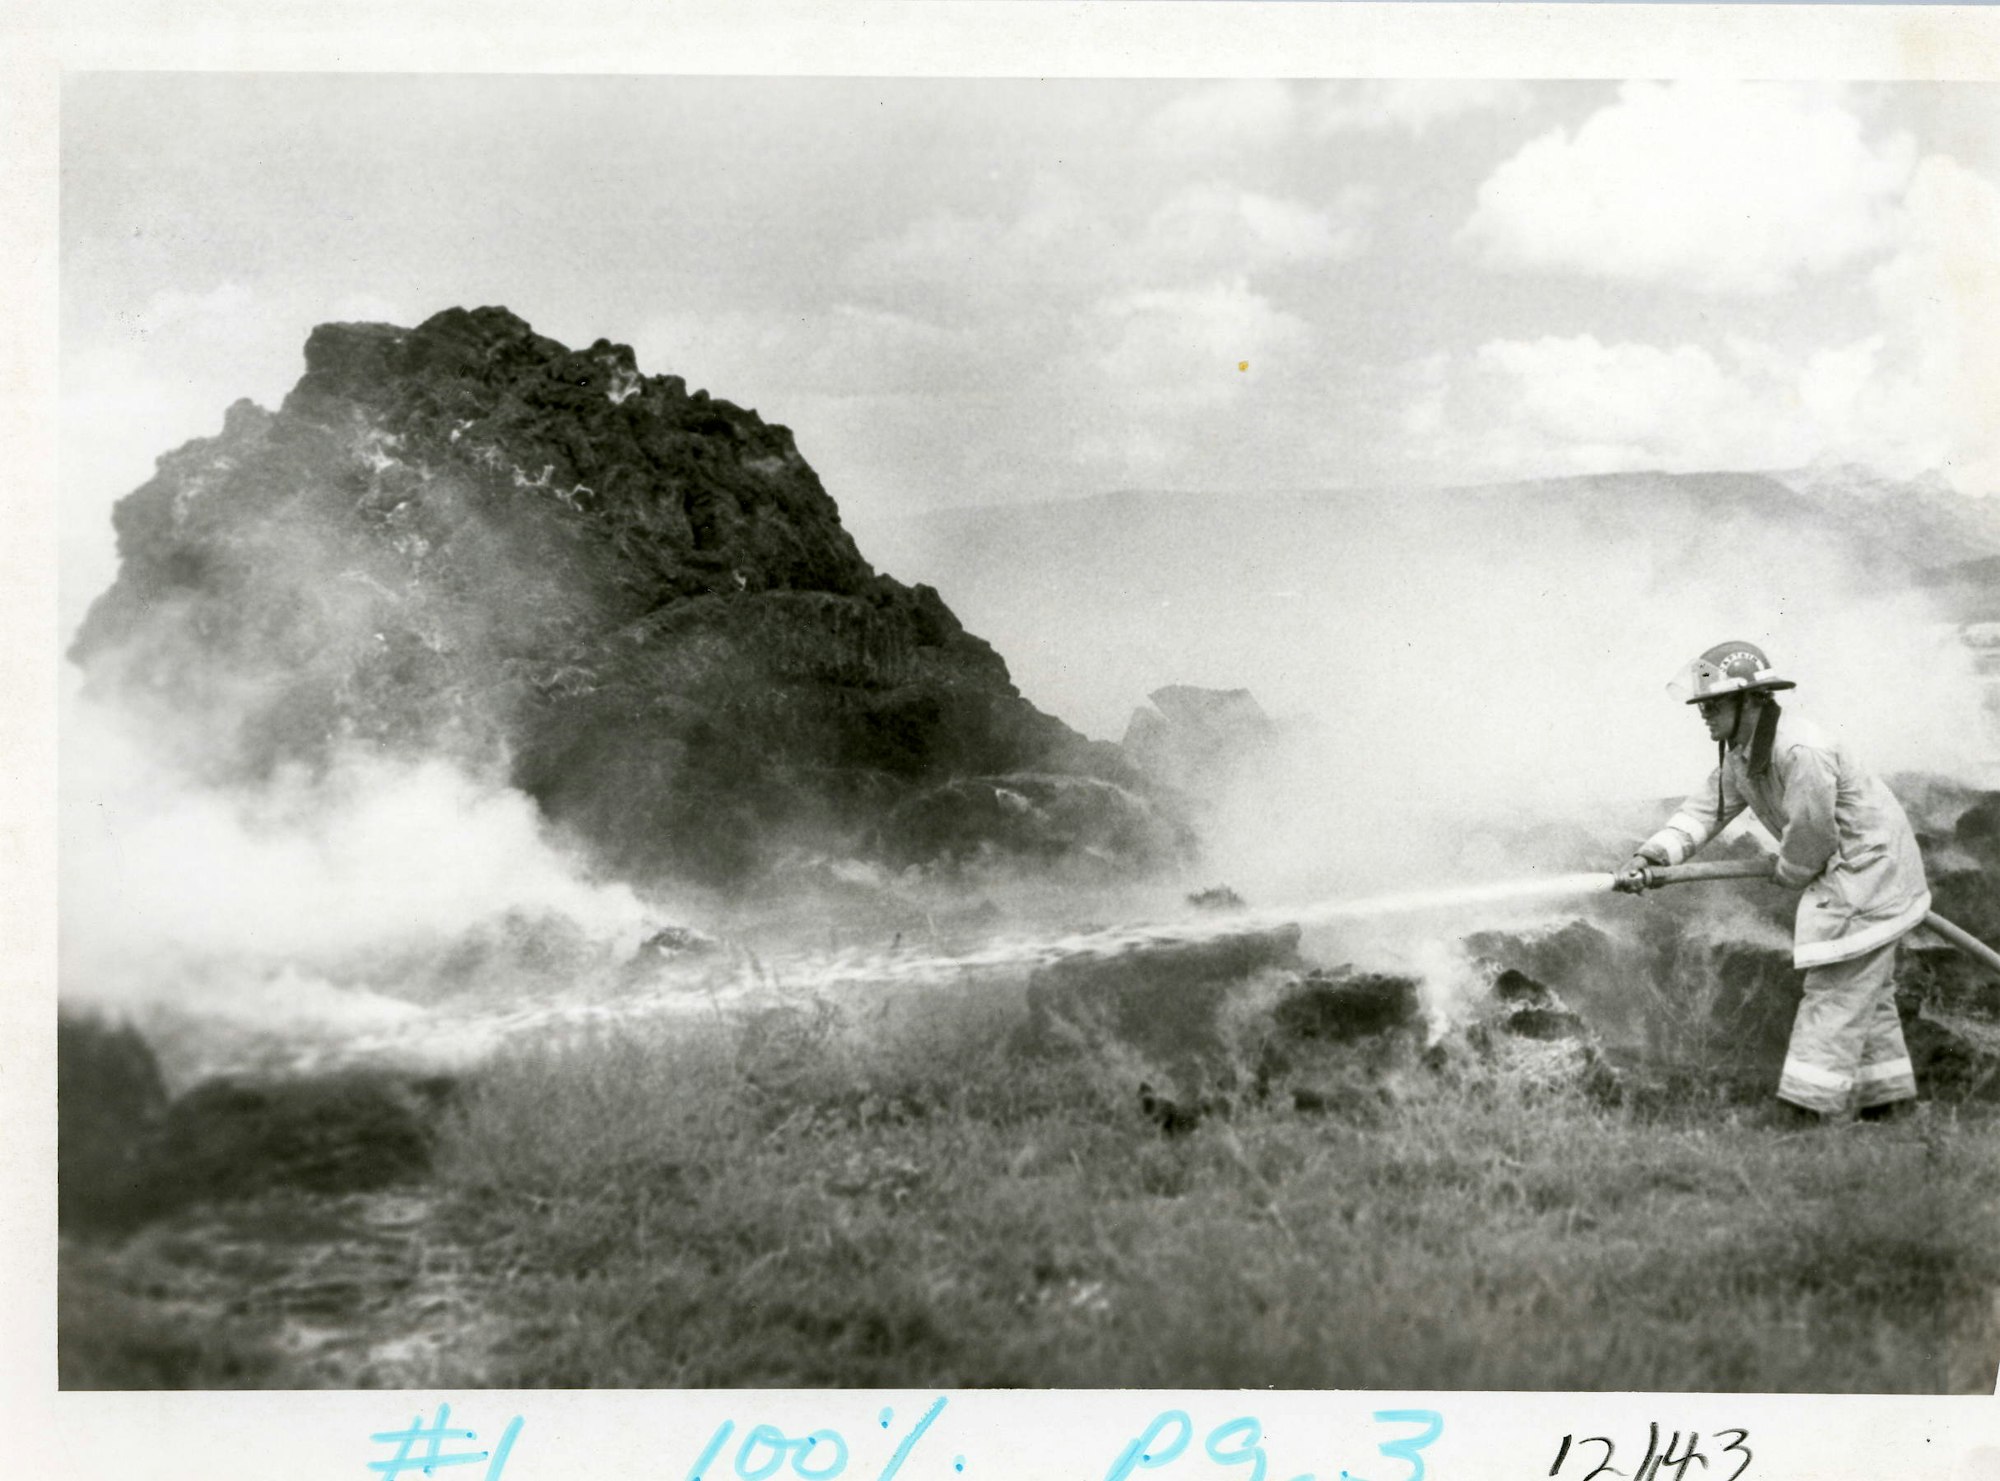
{"type": "Point", "coordinates": [1782, 1115]}
{"type": "Point", "coordinates": [1889, 1112]}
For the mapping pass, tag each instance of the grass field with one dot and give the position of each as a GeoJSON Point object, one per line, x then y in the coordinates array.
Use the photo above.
{"type": "Point", "coordinates": [905, 1197]}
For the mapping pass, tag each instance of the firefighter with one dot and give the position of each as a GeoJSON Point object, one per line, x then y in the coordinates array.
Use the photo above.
{"type": "Point", "coordinates": [1843, 841]}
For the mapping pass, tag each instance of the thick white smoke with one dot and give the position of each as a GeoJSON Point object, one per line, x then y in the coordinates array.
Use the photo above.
{"type": "Point", "coordinates": [1448, 664]}
{"type": "Point", "coordinates": [307, 896]}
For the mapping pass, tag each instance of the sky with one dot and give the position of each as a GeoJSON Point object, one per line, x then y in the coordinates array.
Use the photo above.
{"type": "Point", "coordinates": [973, 292]}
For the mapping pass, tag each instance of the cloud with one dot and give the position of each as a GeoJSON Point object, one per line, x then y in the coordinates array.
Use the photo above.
{"type": "Point", "coordinates": [1066, 243]}
{"type": "Point", "coordinates": [1625, 405]}
{"type": "Point", "coordinates": [1099, 317]}
{"type": "Point", "coordinates": [1939, 297]}
{"type": "Point", "coordinates": [1184, 345]}
{"type": "Point", "coordinates": [1215, 226]}
{"type": "Point", "coordinates": [1058, 239]}
{"type": "Point", "coordinates": [1225, 118]}
{"type": "Point", "coordinates": [1231, 119]}
{"type": "Point", "coordinates": [1058, 336]}
{"type": "Point", "coordinates": [766, 356]}
{"type": "Point", "coordinates": [1913, 394]}
{"type": "Point", "coordinates": [1729, 188]}
{"type": "Point", "coordinates": [1411, 105]}
{"type": "Point", "coordinates": [222, 308]}
{"type": "Point", "coordinates": [1068, 393]}
{"type": "Point", "coordinates": [1571, 404]}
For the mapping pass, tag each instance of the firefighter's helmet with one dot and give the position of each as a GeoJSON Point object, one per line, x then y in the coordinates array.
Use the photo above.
{"type": "Point", "coordinates": [1727, 668]}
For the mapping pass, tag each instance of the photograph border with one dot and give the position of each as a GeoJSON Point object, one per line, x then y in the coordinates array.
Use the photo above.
{"type": "Point", "coordinates": [998, 1435]}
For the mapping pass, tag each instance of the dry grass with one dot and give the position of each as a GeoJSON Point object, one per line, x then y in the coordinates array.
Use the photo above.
{"type": "Point", "coordinates": [944, 1189]}
{"type": "Point", "coordinates": [913, 1201]}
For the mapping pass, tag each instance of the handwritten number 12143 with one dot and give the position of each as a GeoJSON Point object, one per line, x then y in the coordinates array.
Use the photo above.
{"type": "Point", "coordinates": [1654, 1459]}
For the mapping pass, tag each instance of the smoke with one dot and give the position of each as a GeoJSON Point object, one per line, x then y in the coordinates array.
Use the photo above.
{"type": "Point", "coordinates": [309, 896]}
{"type": "Point", "coordinates": [1450, 986]}
{"type": "Point", "coordinates": [282, 792]}
{"type": "Point", "coordinates": [1474, 686]}
{"type": "Point", "coordinates": [1453, 672]}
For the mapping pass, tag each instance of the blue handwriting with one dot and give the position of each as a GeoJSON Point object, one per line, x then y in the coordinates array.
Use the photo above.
{"type": "Point", "coordinates": [434, 1436]}
{"type": "Point", "coordinates": [1240, 1442]}
{"type": "Point", "coordinates": [765, 1450]}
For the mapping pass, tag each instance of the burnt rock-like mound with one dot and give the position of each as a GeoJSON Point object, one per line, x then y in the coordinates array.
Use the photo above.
{"type": "Point", "coordinates": [1342, 1007]}
{"type": "Point", "coordinates": [341, 1133]}
{"type": "Point", "coordinates": [1964, 867]}
{"type": "Point", "coordinates": [1206, 1028]}
{"type": "Point", "coordinates": [128, 1153]}
{"type": "Point", "coordinates": [1166, 1001]}
{"type": "Point", "coordinates": [637, 599]}
{"type": "Point", "coordinates": [110, 1103]}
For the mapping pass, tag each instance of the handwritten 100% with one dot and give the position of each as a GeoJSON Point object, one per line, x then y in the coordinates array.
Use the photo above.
{"type": "Point", "coordinates": [822, 1455]}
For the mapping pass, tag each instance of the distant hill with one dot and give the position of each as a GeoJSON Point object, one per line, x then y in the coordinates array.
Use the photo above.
{"type": "Point", "coordinates": [1335, 600]}
{"type": "Point", "coordinates": [1915, 524]}
{"type": "Point", "coordinates": [1970, 590]}
{"type": "Point", "coordinates": [1923, 521]}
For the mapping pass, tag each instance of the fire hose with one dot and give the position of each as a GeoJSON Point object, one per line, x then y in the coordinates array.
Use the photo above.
{"type": "Point", "coordinates": [1666, 874]}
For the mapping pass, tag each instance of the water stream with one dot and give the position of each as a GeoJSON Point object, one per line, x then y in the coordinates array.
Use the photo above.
{"type": "Point", "coordinates": [736, 978]}
{"type": "Point", "coordinates": [1035, 952]}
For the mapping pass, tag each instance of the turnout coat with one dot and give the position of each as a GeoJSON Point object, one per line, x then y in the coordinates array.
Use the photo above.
{"type": "Point", "coordinates": [1842, 838]}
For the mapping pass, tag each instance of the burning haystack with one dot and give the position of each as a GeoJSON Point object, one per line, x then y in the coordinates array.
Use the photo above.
{"type": "Point", "coordinates": [634, 601]}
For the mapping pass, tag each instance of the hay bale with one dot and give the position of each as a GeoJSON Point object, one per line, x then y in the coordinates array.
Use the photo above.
{"type": "Point", "coordinates": [343, 1133]}
{"type": "Point", "coordinates": [110, 1102]}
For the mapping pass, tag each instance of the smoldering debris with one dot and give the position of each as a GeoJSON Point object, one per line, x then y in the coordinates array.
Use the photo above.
{"type": "Point", "coordinates": [1163, 1000]}
{"type": "Point", "coordinates": [489, 688]}
{"type": "Point", "coordinates": [110, 1101]}
{"type": "Point", "coordinates": [459, 695]}
{"type": "Point", "coordinates": [632, 603]}
{"type": "Point", "coordinates": [131, 1153]}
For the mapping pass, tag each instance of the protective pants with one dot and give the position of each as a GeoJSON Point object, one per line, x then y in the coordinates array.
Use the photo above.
{"type": "Point", "coordinates": [1847, 1049]}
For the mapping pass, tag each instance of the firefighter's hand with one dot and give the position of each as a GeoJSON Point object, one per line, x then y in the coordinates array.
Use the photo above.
{"type": "Point", "coordinates": [1631, 879]}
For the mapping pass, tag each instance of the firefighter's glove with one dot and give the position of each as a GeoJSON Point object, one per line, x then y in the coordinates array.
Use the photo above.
{"type": "Point", "coordinates": [1631, 879]}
